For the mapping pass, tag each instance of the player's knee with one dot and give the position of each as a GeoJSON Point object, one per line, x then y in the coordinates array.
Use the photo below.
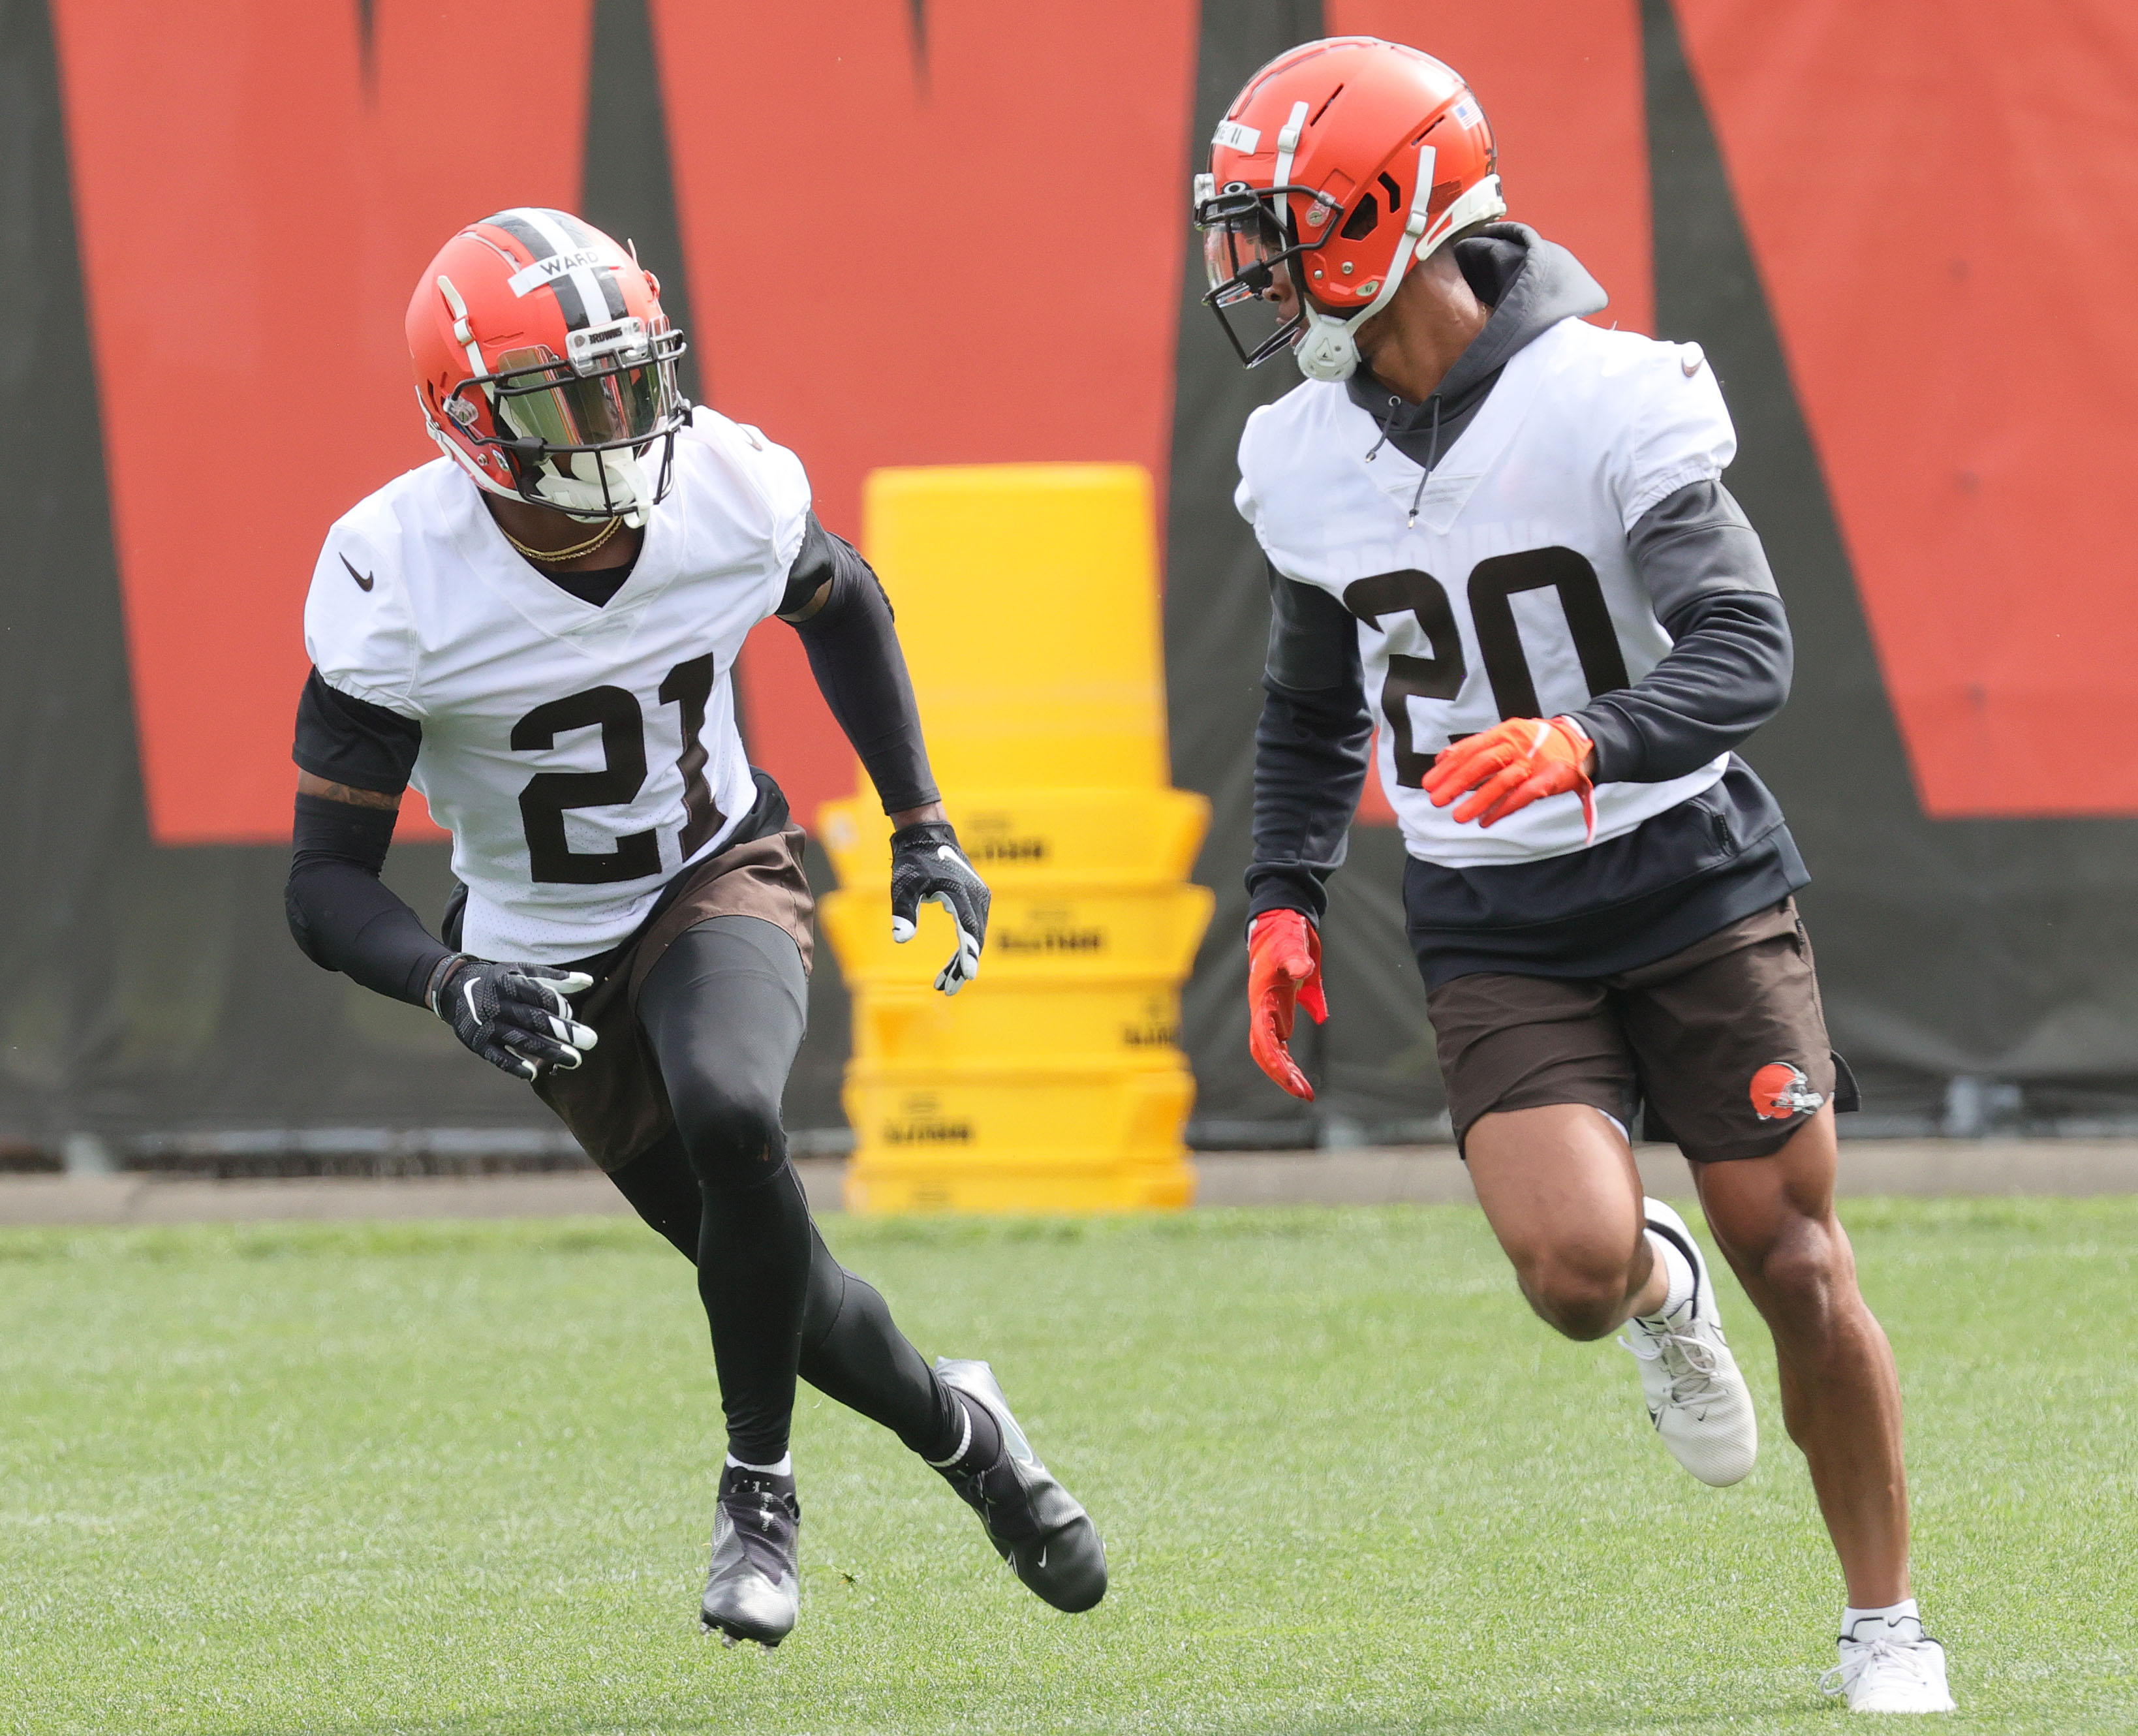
{"type": "Point", "coordinates": [1809, 1278]}
{"type": "Point", "coordinates": [1580, 1294]}
{"type": "Point", "coordinates": [733, 1134]}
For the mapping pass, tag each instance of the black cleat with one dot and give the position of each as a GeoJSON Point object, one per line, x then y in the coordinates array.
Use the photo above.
{"type": "Point", "coordinates": [753, 1591]}
{"type": "Point", "coordinates": [1036, 1524]}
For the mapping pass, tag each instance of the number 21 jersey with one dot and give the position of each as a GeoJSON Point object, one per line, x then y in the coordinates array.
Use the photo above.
{"type": "Point", "coordinates": [580, 755]}
{"type": "Point", "coordinates": [1499, 586]}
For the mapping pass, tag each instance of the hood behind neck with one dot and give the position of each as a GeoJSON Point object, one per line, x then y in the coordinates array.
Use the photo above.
{"type": "Point", "coordinates": [1530, 284]}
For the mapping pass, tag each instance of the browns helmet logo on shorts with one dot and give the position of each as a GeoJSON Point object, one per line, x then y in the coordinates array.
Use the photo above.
{"type": "Point", "coordinates": [1780, 1091]}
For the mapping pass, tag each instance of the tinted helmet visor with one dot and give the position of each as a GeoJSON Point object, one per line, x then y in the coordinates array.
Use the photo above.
{"type": "Point", "coordinates": [620, 392]}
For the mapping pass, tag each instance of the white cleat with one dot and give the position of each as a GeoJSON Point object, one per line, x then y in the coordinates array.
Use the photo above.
{"type": "Point", "coordinates": [1696, 1395]}
{"type": "Point", "coordinates": [1896, 1667]}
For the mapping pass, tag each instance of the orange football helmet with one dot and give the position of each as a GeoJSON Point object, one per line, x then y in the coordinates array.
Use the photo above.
{"type": "Point", "coordinates": [545, 366]}
{"type": "Point", "coordinates": [1342, 164]}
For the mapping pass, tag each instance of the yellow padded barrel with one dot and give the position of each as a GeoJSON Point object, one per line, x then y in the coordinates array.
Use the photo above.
{"type": "Point", "coordinates": [976, 1107]}
{"type": "Point", "coordinates": [1129, 1023]}
{"type": "Point", "coordinates": [1028, 607]}
{"type": "Point", "coordinates": [1028, 603]}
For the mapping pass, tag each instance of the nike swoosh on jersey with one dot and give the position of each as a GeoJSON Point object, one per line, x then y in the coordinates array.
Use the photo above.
{"type": "Point", "coordinates": [364, 581]}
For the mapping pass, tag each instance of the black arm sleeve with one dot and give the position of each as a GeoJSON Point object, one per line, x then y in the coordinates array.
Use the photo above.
{"type": "Point", "coordinates": [1310, 749]}
{"type": "Point", "coordinates": [342, 915]}
{"type": "Point", "coordinates": [341, 912]}
{"type": "Point", "coordinates": [1728, 669]}
{"type": "Point", "coordinates": [854, 655]}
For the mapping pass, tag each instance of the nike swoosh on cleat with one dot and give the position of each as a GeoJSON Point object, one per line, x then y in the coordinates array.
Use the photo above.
{"type": "Point", "coordinates": [364, 581]}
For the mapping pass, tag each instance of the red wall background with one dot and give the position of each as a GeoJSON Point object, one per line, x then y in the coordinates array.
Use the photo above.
{"type": "Point", "coordinates": [1942, 198]}
{"type": "Point", "coordinates": [982, 262]}
{"type": "Point", "coordinates": [979, 265]}
{"type": "Point", "coordinates": [252, 220]}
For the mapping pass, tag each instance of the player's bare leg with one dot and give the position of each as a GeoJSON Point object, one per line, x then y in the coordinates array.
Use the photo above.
{"type": "Point", "coordinates": [1841, 1402]}
{"type": "Point", "coordinates": [1773, 1218]}
{"type": "Point", "coordinates": [1559, 1187]}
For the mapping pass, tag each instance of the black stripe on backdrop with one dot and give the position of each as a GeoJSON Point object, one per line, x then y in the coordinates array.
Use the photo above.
{"type": "Point", "coordinates": [71, 779]}
{"type": "Point", "coordinates": [629, 189]}
{"type": "Point", "coordinates": [1217, 630]}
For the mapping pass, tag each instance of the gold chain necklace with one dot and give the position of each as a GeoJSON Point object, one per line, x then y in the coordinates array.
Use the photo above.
{"type": "Point", "coordinates": [550, 557]}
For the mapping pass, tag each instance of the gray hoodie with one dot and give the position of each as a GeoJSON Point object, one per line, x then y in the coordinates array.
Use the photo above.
{"type": "Point", "coordinates": [1720, 856]}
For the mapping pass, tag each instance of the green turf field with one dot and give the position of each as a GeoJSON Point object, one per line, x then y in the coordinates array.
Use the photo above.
{"type": "Point", "coordinates": [455, 1479]}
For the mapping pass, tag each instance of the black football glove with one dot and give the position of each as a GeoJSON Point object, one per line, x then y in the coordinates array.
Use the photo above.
{"type": "Point", "coordinates": [514, 1016]}
{"type": "Point", "coordinates": [928, 867]}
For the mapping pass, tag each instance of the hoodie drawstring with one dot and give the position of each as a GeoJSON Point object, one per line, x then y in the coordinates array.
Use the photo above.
{"type": "Point", "coordinates": [1432, 457]}
{"type": "Point", "coordinates": [1388, 422]}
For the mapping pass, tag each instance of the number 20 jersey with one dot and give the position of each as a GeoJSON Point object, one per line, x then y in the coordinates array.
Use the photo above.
{"type": "Point", "coordinates": [580, 756]}
{"type": "Point", "coordinates": [1511, 594]}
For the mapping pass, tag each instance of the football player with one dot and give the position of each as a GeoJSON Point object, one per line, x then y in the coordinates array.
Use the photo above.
{"type": "Point", "coordinates": [538, 631]}
{"type": "Point", "coordinates": [1499, 534]}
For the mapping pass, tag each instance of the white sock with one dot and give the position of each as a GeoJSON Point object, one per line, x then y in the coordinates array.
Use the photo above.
{"type": "Point", "coordinates": [1853, 1621]}
{"type": "Point", "coordinates": [784, 1468]}
{"type": "Point", "coordinates": [1677, 1274]}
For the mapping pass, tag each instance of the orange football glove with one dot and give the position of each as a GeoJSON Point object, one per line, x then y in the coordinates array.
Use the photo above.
{"type": "Point", "coordinates": [1505, 768]}
{"type": "Point", "coordinates": [1284, 970]}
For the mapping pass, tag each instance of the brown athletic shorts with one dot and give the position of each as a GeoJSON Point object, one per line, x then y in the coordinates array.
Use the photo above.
{"type": "Point", "coordinates": [614, 1101]}
{"type": "Point", "coordinates": [1725, 1042]}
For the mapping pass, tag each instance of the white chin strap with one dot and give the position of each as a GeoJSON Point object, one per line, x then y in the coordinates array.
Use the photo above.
{"type": "Point", "coordinates": [575, 493]}
{"type": "Point", "coordinates": [1327, 349]}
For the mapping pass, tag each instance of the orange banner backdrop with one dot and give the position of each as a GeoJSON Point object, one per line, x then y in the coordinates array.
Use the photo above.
{"type": "Point", "coordinates": [256, 190]}
{"type": "Point", "coordinates": [957, 249]}
{"type": "Point", "coordinates": [1942, 199]}
{"type": "Point", "coordinates": [967, 248]}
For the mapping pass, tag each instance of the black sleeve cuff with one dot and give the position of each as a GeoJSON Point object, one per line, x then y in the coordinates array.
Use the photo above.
{"type": "Point", "coordinates": [1618, 745]}
{"type": "Point", "coordinates": [352, 741]}
{"type": "Point", "coordinates": [1280, 886]}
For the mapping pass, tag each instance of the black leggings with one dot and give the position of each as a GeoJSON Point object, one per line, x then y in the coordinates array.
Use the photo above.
{"type": "Point", "coordinates": [725, 1009]}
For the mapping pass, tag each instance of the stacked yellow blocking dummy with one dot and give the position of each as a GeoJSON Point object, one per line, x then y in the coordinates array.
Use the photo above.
{"type": "Point", "coordinates": [1028, 604]}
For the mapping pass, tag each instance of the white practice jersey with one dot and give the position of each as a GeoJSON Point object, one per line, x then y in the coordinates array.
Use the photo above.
{"type": "Point", "coordinates": [579, 756]}
{"type": "Point", "coordinates": [1512, 595]}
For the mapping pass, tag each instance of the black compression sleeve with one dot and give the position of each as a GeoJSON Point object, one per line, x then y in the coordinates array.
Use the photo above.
{"type": "Point", "coordinates": [1311, 748]}
{"type": "Point", "coordinates": [342, 914]}
{"type": "Point", "coordinates": [1728, 670]}
{"type": "Point", "coordinates": [853, 652]}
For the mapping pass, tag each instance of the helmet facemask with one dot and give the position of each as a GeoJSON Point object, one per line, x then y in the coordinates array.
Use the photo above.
{"type": "Point", "coordinates": [580, 430]}
{"type": "Point", "coordinates": [1249, 258]}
